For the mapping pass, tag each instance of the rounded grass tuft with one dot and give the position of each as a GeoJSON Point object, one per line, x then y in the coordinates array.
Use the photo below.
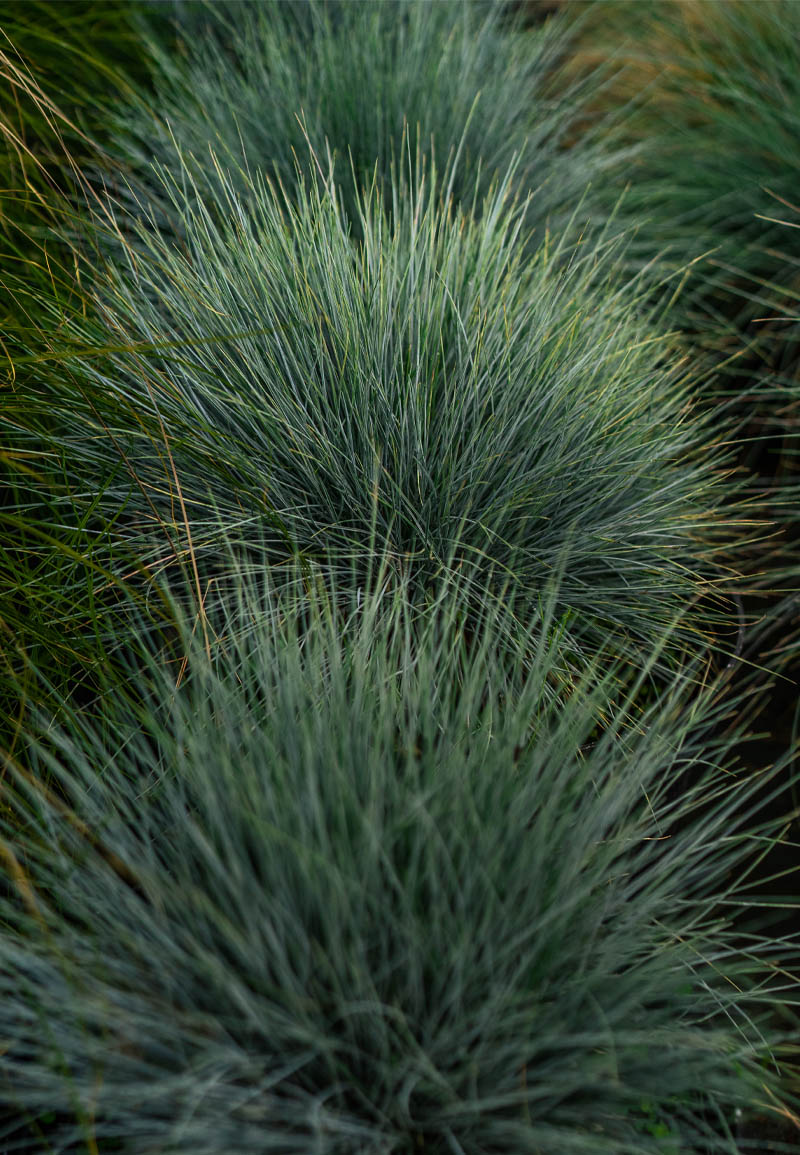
{"type": "Point", "coordinates": [257, 84]}
{"type": "Point", "coordinates": [434, 393]}
{"type": "Point", "coordinates": [326, 897]}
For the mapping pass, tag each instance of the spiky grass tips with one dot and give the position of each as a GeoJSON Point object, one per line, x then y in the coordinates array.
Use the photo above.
{"type": "Point", "coordinates": [326, 897]}
{"type": "Point", "coordinates": [353, 80]}
{"type": "Point", "coordinates": [434, 393]}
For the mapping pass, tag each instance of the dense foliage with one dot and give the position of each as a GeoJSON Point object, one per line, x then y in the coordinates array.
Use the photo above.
{"type": "Point", "coordinates": [377, 680]}
{"type": "Point", "coordinates": [341, 890]}
{"type": "Point", "coordinates": [369, 86]}
{"type": "Point", "coordinates": [437, 394]}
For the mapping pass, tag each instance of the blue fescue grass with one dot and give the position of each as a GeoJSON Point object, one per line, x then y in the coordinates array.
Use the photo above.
{"type": "Point", "coordinates": [257, 83]}
{"type": "Point", "coordinates": [385, 848]}
{"type": "Point", "coordinates": [435, 392]}
{"type": "Point", "coordinates": [344, 891]}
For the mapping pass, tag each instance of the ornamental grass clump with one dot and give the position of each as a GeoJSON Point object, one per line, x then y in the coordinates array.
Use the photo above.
{"type": "Point", "coordinates": [258, 83]}
{"type": "Point", "coordinates": [434, 393]}
{"type": "Point", "coordinates": [360, 888]}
